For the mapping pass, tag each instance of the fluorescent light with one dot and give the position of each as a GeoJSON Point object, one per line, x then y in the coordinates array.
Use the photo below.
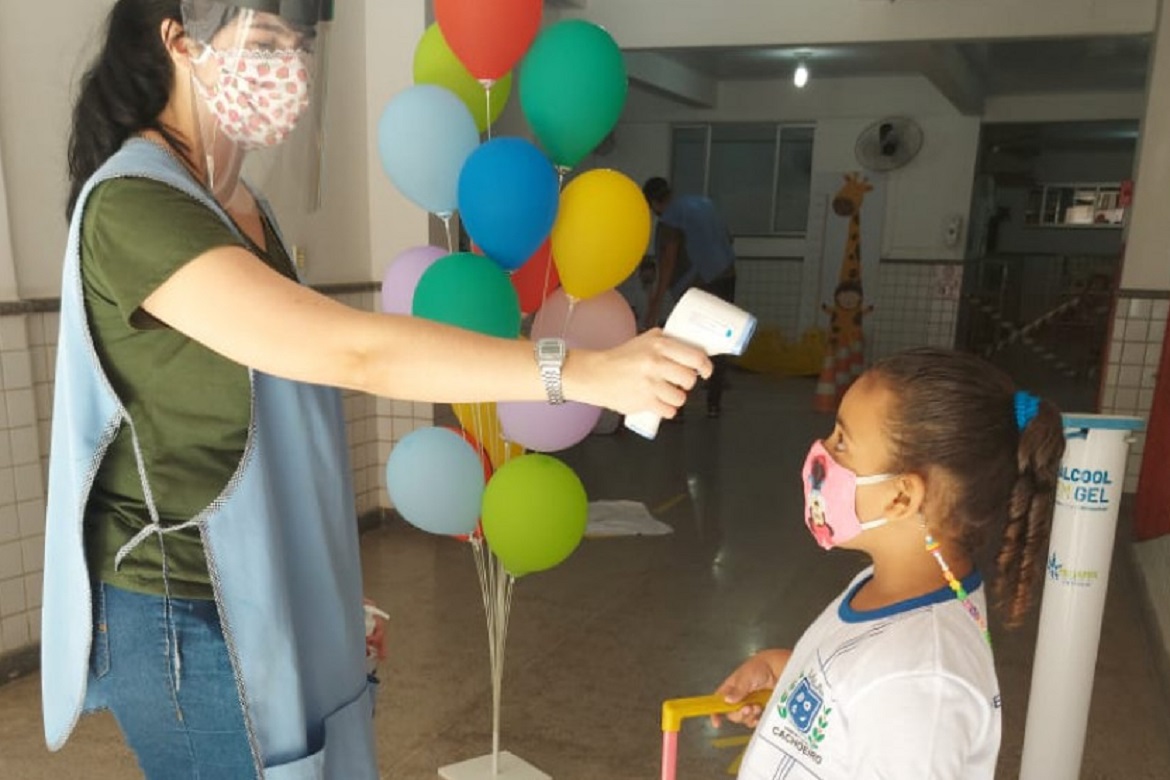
{"type": "Point", "coordinates": [800, 77]}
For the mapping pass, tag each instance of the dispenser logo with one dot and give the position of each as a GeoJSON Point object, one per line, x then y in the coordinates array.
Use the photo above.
{"type": "Point", "coordinates": [1078, 578]}
{"type": "Point", "coordinates": [1089, 489]}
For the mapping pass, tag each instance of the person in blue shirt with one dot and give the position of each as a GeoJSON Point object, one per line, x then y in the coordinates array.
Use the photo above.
{"type": "Point", "coordinates": [694, 249]}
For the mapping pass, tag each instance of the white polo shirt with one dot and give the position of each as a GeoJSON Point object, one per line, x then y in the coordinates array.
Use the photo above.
{"type": "Point", "coordinates": [907, 692]}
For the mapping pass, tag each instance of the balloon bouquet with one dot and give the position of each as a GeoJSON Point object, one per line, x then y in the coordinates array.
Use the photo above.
{"type": "Point", "coordinates": [540, 251]}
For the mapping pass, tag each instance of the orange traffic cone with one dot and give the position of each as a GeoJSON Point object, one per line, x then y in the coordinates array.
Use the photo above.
{"type": "Point", "coordinates": [825, 398]}
{"type": "Point", "coordinates": [856, 361]}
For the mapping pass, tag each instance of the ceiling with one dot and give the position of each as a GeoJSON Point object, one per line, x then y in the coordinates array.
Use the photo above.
{"type": "Point", "coordinates": [998, 68]}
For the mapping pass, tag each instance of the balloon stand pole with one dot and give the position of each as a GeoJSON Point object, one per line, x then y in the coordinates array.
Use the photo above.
{"type": "Point", "coordinates": [487, 92]}
{"type": "Point", "coordinates": [450, 236]}
{"type": "Point", "coordinates": [496, 586]}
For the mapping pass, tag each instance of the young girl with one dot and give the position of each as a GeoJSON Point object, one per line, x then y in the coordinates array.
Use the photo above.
{"type": "Point", "coordinates": [933, 453]}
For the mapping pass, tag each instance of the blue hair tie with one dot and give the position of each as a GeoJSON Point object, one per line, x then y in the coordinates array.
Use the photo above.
{"type": "Point", "coordinates": [1027, 407]}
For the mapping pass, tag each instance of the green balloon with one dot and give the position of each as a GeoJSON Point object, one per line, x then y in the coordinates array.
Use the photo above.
{"type": "Point", "coordinates": [534, 513]}
{"type": "Point", "coordinates": [470, 292]}
{"type": "Point", "coordinates": [435, 63]}
{"type": "Point", "coordinates": [573, 87]}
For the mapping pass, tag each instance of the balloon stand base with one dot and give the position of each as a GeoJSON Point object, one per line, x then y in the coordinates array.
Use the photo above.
{"type": "Point", "coordinates": [511, 768]}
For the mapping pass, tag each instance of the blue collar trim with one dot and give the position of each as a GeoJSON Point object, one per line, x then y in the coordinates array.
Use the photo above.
{"type": "Point", "coordinates": [848, 614]}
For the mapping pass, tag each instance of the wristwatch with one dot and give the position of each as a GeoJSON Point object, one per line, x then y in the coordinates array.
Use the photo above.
{"type": "Point", "coordinates": [550, 358]}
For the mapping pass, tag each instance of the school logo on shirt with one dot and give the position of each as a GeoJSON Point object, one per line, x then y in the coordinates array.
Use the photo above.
{"type": "Point", "coordinates": [803, 705]}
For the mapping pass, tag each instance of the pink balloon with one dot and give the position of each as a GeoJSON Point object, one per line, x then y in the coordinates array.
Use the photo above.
{"type": "Point", "coordinates": [402, 274]}
{"type": "Point", "coordinates": [543, 427]}
{"type": "Point", "coordinates": [600, 322]}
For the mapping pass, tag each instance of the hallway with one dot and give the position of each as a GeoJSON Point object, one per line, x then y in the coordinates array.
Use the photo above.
{"type": "Point", "coordinates": [597, 644]}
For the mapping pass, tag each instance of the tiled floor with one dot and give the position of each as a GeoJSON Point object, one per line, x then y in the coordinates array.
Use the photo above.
{"type": "Point", "coordinates": [598, 643]}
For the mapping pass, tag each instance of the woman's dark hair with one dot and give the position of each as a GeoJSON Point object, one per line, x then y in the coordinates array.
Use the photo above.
{"type": "Point", "coordinates": [124, 91]}
{"type": "Point", "coordinates": [956, 413]}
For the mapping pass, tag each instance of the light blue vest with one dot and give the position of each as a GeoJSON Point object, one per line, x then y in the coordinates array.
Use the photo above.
{"type": "Point", "coordinates": [281, 543]}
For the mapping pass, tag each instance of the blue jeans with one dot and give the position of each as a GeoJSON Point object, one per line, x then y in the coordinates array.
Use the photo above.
{"type": "Point", "coordinates": [182, 721]}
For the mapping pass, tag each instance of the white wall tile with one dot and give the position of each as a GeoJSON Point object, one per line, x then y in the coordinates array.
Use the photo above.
{"type": "Point", "coordinates": [52, 324]}
{"type": "Point", "coordinates": [34, 624]}
{"type": "Point", "coordinates": [12, 597]}
{"type": "Point", "coordinates": [13, 334]}
{"type": "Point", "coordinates": [1140, 308]}
{"type": "Point", "coordinates": [31, 514]}
{"type": "Point", "coordinates": [7, 488]}
{"type": "Point", "coordinates": [9, 530]}
{"type": "Point", "coordinates": [33, 586]}
{"type": "Point", "coordinates": [14, 633]}
{"type": "Point", "coordinates": [32, 551]}
{"type": "Point", "coordinates": [11, 560]}
{"type": "Point", "coordinates": [25, 447]}
{"type": "Point", "coordinates": [21, 407]}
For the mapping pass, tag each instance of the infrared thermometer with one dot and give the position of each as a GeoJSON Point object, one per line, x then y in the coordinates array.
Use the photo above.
{"type": "Point", "coordinates": [708, 323]}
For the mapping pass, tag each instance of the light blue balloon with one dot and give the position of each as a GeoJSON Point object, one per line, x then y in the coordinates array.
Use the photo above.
{"type": "Point", "coordinates": [435, 480]}
{"type": "Point", "coordinates": [425, 135]}
{"type": "Point", "coordinates": [508, 198]}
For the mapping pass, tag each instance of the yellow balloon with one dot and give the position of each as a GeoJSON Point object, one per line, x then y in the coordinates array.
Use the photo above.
{"type": "Point", "coordinates": [435, 63]}
{"type": "Point", "coordinates": [482, 422]}
{"type": "Point", "coordinates": [601, 233]}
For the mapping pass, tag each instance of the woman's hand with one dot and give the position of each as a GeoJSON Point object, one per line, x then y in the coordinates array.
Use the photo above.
{"type": "Point", "coordinates": [760, 672]}
{"type": "Point", "coordinates": [650, 373]}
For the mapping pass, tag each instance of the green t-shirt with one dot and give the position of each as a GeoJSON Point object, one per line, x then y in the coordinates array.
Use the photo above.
{"type": "Point", "coordinates": [191, 406]}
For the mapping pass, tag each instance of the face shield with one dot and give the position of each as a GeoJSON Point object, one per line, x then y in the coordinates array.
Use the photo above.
{"type": "Point", "coordinates": [258, 76]}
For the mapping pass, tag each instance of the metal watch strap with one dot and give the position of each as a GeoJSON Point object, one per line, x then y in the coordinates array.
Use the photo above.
{"type": "Point", "coordinates": [550, 368]}
{"type": "Point", "coordinates": [552, 384]}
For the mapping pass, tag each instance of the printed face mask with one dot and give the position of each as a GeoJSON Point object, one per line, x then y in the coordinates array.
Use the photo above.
{"type": "Point", "coordinates": [830, 497]}
{"type": "Point", "coordinates": [258, 96]}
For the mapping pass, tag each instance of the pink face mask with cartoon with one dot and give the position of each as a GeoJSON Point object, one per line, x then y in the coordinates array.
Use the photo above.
{"type": "Point", "coordinates": [830, 498]}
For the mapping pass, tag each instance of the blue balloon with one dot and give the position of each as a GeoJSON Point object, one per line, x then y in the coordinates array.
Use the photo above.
{"type": "Point", "coordinates": [508, 198]}
{"type": "Point", "coordinates": [435, 480]}
{"type": "Point", "coordinates": [425, 136]}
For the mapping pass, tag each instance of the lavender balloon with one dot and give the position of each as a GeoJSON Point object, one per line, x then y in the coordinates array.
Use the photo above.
{"type": "Point", "coordinates": [542, 427]}
{"type": "Point", "coordinates": [600, 322]}
{"type": "Point", "coordinates": [401, 277]}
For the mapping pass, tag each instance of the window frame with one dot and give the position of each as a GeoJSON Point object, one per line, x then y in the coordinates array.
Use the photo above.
{"type": "Point", "coordinates": [777, 144]}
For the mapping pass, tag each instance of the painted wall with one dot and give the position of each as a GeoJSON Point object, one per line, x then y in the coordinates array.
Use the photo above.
{"type": "Point", "coordinates": [364, 219]}
{"type": "Point", "coordinates": [934, 186]}
{"type": "Point", "coordinates": [644, 24]}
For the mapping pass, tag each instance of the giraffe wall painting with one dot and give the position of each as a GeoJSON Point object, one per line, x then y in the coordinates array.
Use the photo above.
{"type": "Point", "coordinates": [846, 307]}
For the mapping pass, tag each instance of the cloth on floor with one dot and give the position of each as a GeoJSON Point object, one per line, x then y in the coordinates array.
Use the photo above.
{"type": "Point", "coordinates": [623, 518]}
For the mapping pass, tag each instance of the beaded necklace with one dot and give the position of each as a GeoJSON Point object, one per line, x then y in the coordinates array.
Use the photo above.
{"type": "Point", "coordinates": [961, 594]}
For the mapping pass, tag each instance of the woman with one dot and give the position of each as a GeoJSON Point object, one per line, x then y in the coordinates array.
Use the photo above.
{"type": "Point", "coordinates": [202, 577]}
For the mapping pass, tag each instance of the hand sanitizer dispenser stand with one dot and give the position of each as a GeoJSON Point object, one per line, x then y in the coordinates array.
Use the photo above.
{"type": "Point", "coordinates": [1088, 497]}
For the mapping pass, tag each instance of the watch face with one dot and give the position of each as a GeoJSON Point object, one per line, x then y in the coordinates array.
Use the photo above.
{"type": "Point", "coordinates": [550, 349]}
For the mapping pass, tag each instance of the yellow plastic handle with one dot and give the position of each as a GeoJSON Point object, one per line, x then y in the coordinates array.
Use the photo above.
{"type": "Point", "coordinates": [675, 711]}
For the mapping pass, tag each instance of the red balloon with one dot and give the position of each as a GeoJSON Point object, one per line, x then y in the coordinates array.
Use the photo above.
{"type": "Point", "coordinates": [489, 36]}
{"type": "Point", "coordinates": [536, 279]}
